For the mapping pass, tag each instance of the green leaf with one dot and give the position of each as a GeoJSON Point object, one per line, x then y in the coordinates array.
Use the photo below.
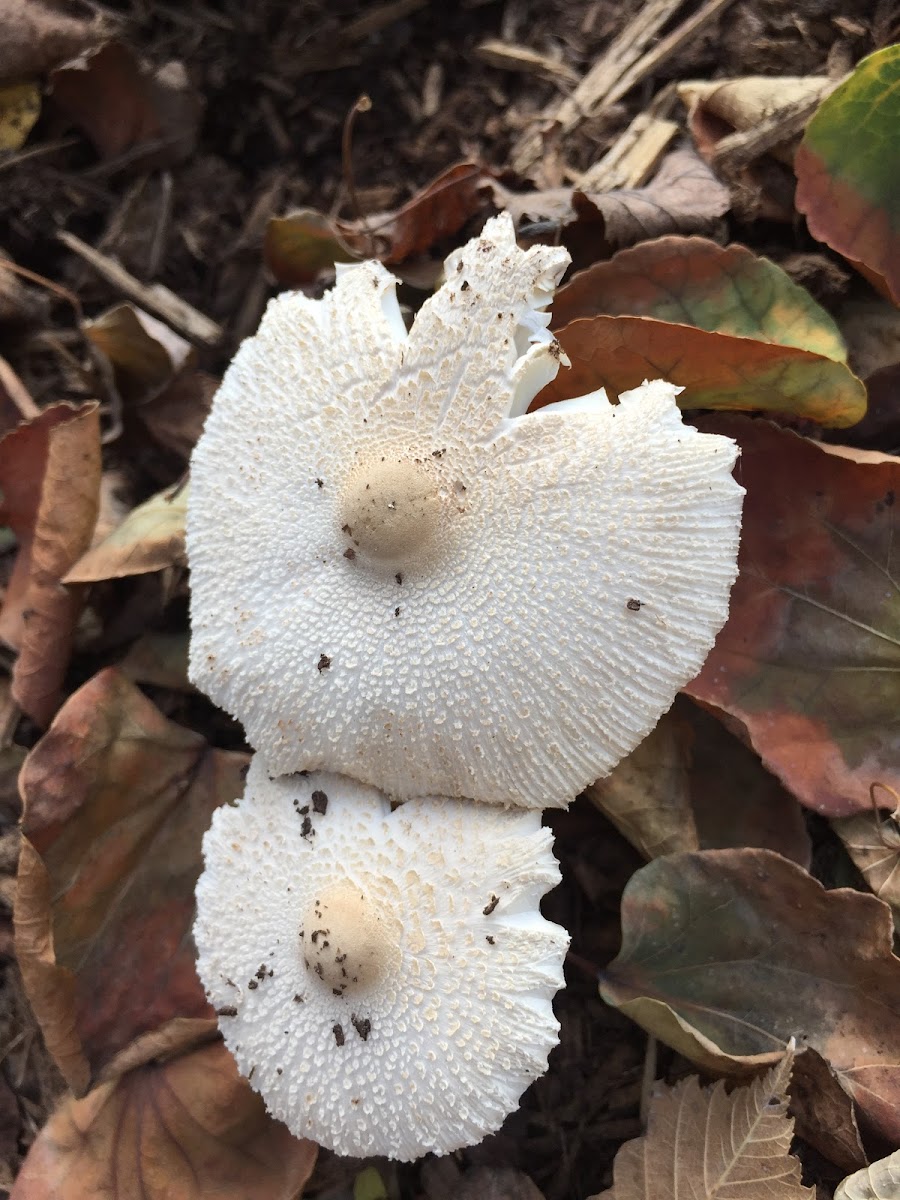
{"type": "Point", "coordinates": [847, 169]}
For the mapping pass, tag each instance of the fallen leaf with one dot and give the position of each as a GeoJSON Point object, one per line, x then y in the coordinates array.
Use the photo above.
{"type": "Point", "coordinates": [145, 353]}
{"type": "Point", "coordinates": [299, 246]}
{"type": "Point", "coordinates": [35, 37]}
{"type": "Point", "coordinates": [880, 1181]}
{"type": "Point", "coordinates": [693, 281]}
{"type": "Point", "coordinates": [728, 954]}
{"type": "Point", "coordinates": [809, 660]}
{"type": "Point", "coordinates": [683, 197]}
{"type": "Point", "coordinates": [50, 486]}
{"type": "Point", "coordinates": [150, 538]}
{"type": "Point", "coordinates": [174, 417]}
{"type": "Point", "coordinates": [647, 796]}
{"type": "Point", "coordinates": [20, 107]}
{"type": "Point", "coordinates": [691, 785]}
{"type": "Point", "coordinates": [716, 371]}
{"type": "Point", "coordinates": [116, 802]}
{"type": "Point", "coordinates": [824, 1113]}
{"type": "Point", "coordinates": [709, 1144]}
{"type": "Point", "coordinates": [846, 182]}
{"type": "Point", "coordinates": [728, 326]}
{"type": "Point", "coordinates": [873, 842]}
{"type": "Point", "coordinates": [160, 659]}
{"type": "Point", "coordinates": [187, 1129]}
{"type": "Point", "coordinates": [719, 107]}
{"type": "Point", "coordinates": [735, 801]}
{"type": "Point", "coordinates": [120, 105]}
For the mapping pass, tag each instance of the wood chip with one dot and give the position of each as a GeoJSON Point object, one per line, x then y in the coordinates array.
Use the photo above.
{"type": "Point", "coordinates": [509, 56]}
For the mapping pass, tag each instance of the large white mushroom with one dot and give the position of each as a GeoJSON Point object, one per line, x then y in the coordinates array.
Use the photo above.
{"type": "Point", "coordinates": [384, 979]}
{"type": "Point", "coordinates": [400, 575]}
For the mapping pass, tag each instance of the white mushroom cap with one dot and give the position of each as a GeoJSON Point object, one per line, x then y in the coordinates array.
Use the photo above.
{"type": "Point", "coordinates": [399, 576]}
{"type": "Point", "coordinates": [384, 979]}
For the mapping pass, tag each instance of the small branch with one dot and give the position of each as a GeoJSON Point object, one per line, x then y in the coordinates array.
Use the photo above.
{"type": "Point", "coordinates": [156, 299]}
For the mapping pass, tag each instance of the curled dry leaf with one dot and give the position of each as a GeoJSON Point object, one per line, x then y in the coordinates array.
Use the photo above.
{"type": "Point", "coordinates": [684, 197]}
{"type": "Point", "coordinates": [717, 108]}
{"type": "Point", "coordinates": [728, 954]}
{"type": "Point", "coordinates": [119, 105]}
{"type": "Point", "coordinates": [34, 37]}
{"type": "Point", "coordinates": [299, 246]}
{"type": "Point", "coordinates": [150, 538]}
{"type": "Point", "coordinates": [756, 340]}
{"type": "Point", "coordinates": [709, 1144]}
{"type": "Point", "coordinates": [50, 486]}
{"type": "Point", "coordinates": [116, 802]}
{"type": "Point", "coordinates": [809, 660]}
{"type": "Point", "coordinates": [187, 1129]}
{"type": "Point", "coordinates": [880, 1181]}
{"type": "Point", "coordinates": [145, 353]}
{"type": "Point", "coordinates": [873, 842]}
{"type": "Point", "coordinates": [846, 170]}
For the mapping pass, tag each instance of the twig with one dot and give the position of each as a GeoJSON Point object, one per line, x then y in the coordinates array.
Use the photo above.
{"type": "Point", "coordinates": [155, 298]}
{"type": "Point", "coordinates": [626, 62]}
{"type": "Point", "coordinates": [158, 244]}
{"type": "Point", "coordinates": [648, 1078]}
{"type": "Point", "coordinates": [362, 105]}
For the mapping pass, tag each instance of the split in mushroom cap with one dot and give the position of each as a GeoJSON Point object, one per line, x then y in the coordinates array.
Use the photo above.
{"type": "Point", "coordinates": [384, 979]}
{"type": "Point", "coordinates": [400, 576]}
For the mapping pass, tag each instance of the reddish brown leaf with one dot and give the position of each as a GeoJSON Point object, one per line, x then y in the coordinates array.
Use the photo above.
{"type": "Point", "coordinates": [50, 485]}
{"type": "Point", "coordinates": [187, 1129]}
{"type": "Point", "coordinates": [116, 802]}
{"type": "Point", "coordinates": [716, 370]}
{"type": "Point", "coordinates": [300, 245]}
{"type": "Point", "coordinates": [728, 954]}
{"type": "Point", "coordinates": [809, 660]}
{"type": "Point", "coordinates": [119, 105]}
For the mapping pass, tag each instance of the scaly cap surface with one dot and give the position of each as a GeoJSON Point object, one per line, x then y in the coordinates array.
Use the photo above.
{"type": "Point", "coordinates": [384, 979]}
{"type": "Point", "coordinates": [399, 576]}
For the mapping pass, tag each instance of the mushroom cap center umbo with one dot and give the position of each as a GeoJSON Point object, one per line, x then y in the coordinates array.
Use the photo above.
{"type": "Point", "coordinates": [392, 511]}
{"type": "Point", "coordinates": [345, 943]}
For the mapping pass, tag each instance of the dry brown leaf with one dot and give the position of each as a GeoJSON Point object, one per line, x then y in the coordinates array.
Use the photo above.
{"type": "Point", "coordinates": [36, 37]}
{"type": "Point", "coordinates": [728, 954]}
{"type": "Point", "coordinates": [149, 539]}
{"type": "Point", "coordinates": [186, 1129]}
{"type": "Point", "coordinates": [119, 105]}
{"type": "Point", "coordinates": [824, 1113]}
{"type": "Point", "coordinates": [647, 796]}
{"type": "Point", "coordinates": [873, 842]}
{"type": "Point", "coordinates": [708, 1144]}
{"type": "Point", "coordinates": [684, 197]}
{"type": "Point", "coordinates": [718, 107]}
{"type": "Point", "coordinates": [145, 353]}
{"type": "Point", "coordinates": [692, 785]}
{"type": "Point", "coordinates": [50, 484]}
{"type": "Point", "coordinates": [116, 802]}
{"type": "Point", "coordinates": [880, 1181]}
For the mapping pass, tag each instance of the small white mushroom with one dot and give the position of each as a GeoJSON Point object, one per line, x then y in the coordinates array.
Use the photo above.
{"type": "Point", "coordinates": [400, 575]}
{"type": "Point", "coordinates": [384, 979]}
